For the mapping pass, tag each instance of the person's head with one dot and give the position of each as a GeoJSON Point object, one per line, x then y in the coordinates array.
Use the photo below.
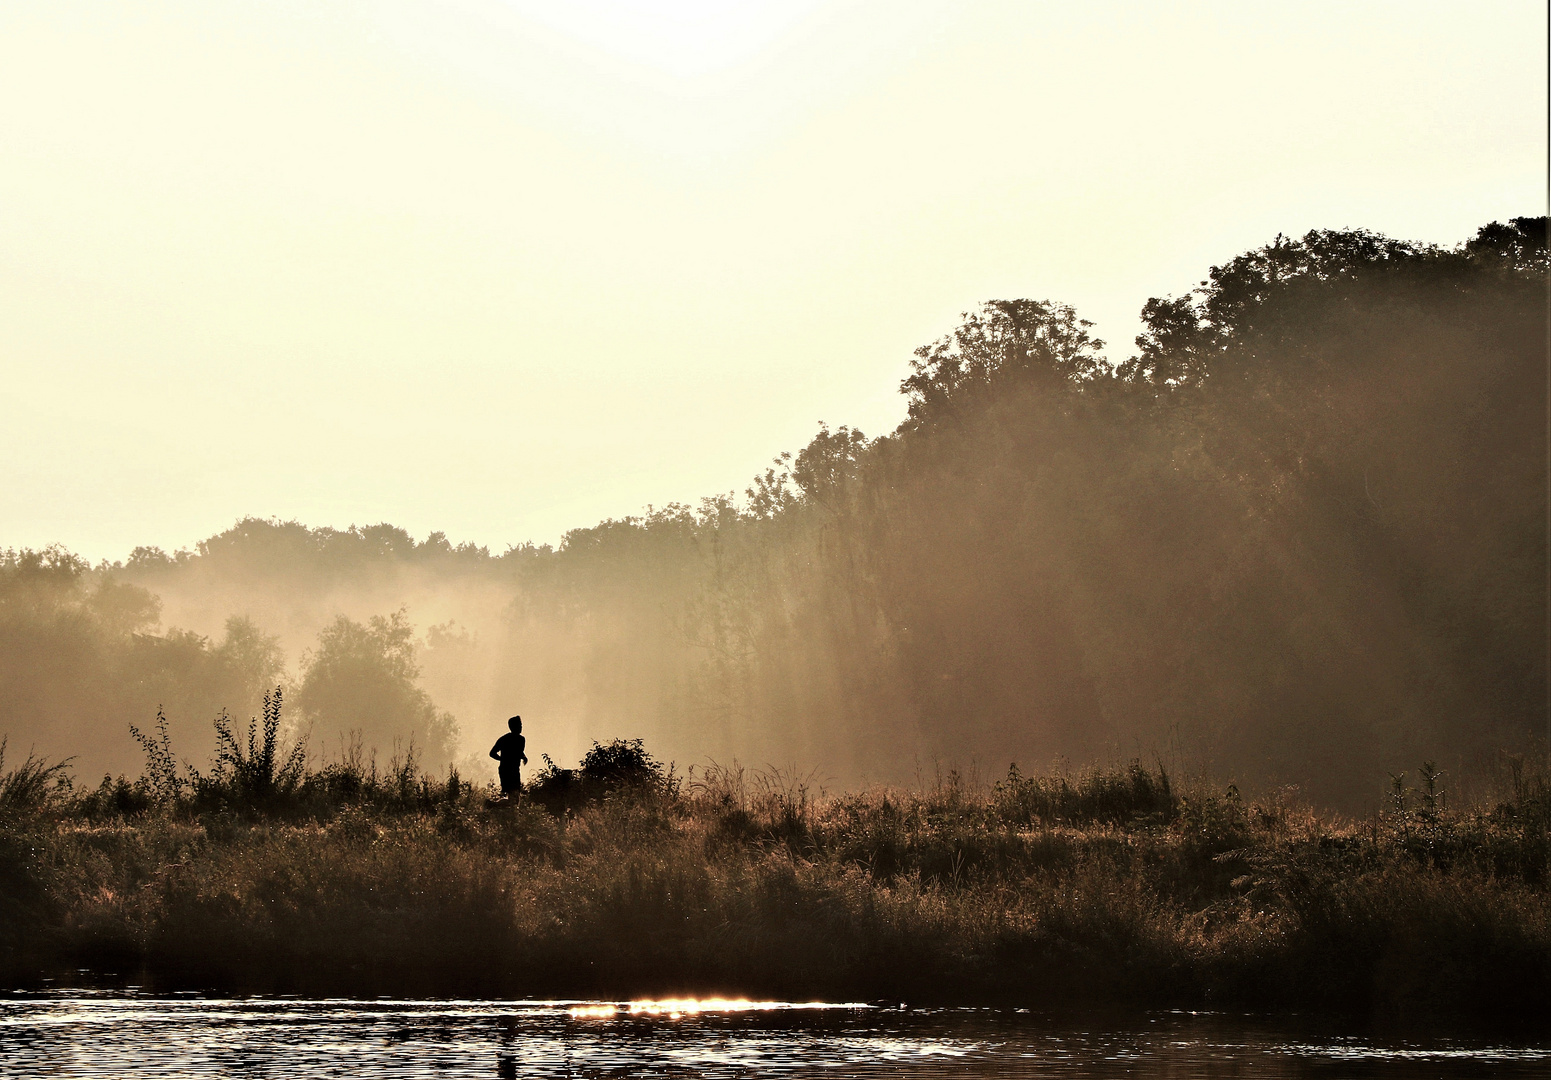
{"type": "Point", "coordinates": [515, 723]}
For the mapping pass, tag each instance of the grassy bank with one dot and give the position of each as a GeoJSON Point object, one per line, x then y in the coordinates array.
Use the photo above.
{"type": "Point", "coordinates": [1109, 887]}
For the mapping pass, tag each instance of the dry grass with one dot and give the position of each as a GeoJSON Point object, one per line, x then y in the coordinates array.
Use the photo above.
{"type": "Point", "coordinates": [1108, 888]}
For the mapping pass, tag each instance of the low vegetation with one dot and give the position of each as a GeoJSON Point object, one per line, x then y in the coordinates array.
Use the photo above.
{"type": "Point", "coordinates": [620, 877]}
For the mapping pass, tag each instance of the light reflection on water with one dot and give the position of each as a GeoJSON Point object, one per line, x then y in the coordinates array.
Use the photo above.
{"type": "Point", "coordinates": [124, 1034]}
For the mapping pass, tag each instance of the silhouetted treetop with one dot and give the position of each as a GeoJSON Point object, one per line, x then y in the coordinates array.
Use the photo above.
{"type": "Point", "coordinates": [1519, 246]}
{"type": "Point", "coordinates": [831, 460]}
{"type": "Point", "coordinates": [1280, 293]}
{"type": "Point", "coordinates": [263, 547]}
{"type": "Point", "coordinates": [1004, 342]}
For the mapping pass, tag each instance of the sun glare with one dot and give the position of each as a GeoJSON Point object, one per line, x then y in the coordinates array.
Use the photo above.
{"type": "Point", "coordinates": [675, 1008]}
{"type": "Point", "coordinates": [682, 37]}
{"type": "Point", "coordinates": [592, 1012]}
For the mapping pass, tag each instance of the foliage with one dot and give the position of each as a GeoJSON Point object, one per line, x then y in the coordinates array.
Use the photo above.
{"type": "Point", "coordinates": [1097, 797]}
{"type": "Point", "coordinates": [30, 786]}
{"type": "Point", "coordinates": [1005, 343]}
{"type": "Point", "coordinates": [618, 767]}
{"type": "Point", "coordinates": [1297, 538]}
{"type": "Point", "coordinates": [261, 772]}
{"type": "Point", "coordinates": [78, 645]}
{"type": "Point", "coordinates": [161, 768]}
{"type": "Point", "coordinates": [363, 677]}
{"type": "Point", "coordinates": [622, 763]}
{"type": "Point", "coordinates": [399, 882]}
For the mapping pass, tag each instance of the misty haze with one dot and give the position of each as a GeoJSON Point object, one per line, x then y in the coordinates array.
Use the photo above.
{"type": "Point", "coordinates": [1296, 538]}
{"type": "Point", "coordinates": [728, 538]}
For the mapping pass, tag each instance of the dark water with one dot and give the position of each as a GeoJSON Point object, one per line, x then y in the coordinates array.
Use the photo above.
{"type": "Point", "coordinates": [124, 1034]}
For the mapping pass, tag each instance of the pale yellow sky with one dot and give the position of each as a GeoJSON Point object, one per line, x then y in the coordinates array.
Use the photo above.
{"type": "Point", "coordinates": [506, 267]}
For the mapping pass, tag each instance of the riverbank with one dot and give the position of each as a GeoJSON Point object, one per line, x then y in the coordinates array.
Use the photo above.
{"type": "Point", "coordinates": [1106, 889]}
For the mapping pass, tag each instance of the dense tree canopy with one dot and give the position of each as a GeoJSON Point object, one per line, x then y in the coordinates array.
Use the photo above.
{"type": "Point", "coordinates": [362, 682]}
{"type": "Point", "coordinates": [1298, 537]}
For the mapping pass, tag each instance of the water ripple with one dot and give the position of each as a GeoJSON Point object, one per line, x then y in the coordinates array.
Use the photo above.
{"type": "Point", "coordinates": [127, 1034]}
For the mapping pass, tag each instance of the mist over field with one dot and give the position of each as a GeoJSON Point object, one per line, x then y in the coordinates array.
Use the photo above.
{"type": "Point", "coordinates": [1297, 536]}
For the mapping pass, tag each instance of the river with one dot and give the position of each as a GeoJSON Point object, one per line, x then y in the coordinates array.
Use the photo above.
{"type": "Point", "coordinates": [124, 1033]}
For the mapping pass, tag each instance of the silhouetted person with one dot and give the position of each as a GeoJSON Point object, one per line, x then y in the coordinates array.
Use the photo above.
{"type": "Point", "coordinates": [508, 750]}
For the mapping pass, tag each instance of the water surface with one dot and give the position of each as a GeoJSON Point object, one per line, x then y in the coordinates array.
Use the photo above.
{"type": "Point", "coordinates": [127, 1034]}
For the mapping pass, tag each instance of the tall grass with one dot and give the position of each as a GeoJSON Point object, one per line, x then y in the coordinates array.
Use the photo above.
{"type": "Point", "coordinates": [1111, 886]}
{"type": "Point", "coordinates": [30, 786]}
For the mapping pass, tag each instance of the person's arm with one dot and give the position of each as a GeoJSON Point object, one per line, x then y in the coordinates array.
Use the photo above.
{"type": "Point", "coordinates": [495, 751]}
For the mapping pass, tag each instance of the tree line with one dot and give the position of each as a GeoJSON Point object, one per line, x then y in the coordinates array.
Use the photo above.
{"type": "Point", "coordinates": [1298, 537]}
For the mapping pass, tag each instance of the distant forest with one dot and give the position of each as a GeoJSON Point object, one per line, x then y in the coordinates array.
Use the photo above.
{"type": "Point", "coordinates": [1300, 537]}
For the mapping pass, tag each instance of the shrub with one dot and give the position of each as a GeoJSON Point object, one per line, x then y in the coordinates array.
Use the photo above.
{"type": "Point", "coordinates": [255, 776]}
{"type": "Point", "coordinates": [620, 766]}
{"type": "Point", "coordinates": [30, 786]}
{"type": "Point", "coordinates": [1098, 797]}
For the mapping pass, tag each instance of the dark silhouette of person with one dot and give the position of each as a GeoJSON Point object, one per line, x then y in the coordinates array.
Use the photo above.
{"type": "Point", "coordinates": [508, 750]}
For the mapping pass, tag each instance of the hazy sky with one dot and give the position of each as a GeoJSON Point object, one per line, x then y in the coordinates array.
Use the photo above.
{"type": "Point", "coordinates": [506, 267]}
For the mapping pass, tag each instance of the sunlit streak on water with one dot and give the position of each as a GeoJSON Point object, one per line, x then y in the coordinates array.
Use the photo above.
{"type": "Point", "coordinates": [674, 1008]}
{"type": "Point", "coordinates": [678, 1008]}
{"type": "Point", "coordinates": [124, 1034]}
{"type": "Point", "coordinates": [593, 1012]}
